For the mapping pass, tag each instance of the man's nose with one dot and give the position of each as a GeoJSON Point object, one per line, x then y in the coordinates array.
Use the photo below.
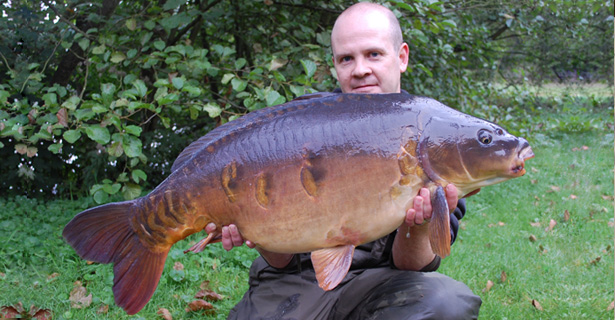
{"type": "Point", "coordinates": [361, 68]}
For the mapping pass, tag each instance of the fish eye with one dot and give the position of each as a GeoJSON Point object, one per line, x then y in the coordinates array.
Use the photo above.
{"type": "Point", "coordinates": [484, 137]}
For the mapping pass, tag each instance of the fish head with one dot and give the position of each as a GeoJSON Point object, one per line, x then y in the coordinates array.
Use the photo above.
{"type": "Point", "coordinates": [472, 154]}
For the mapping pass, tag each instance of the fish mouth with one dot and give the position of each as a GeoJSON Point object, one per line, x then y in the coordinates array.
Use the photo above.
{"type": "Point", "coordinates": [518, 167]}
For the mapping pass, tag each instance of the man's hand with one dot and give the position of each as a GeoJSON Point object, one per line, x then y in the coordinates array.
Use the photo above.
{"type": "Point", "coordinates": [422, 209]}
{"type": "Point", "coordinates": [230, 236]}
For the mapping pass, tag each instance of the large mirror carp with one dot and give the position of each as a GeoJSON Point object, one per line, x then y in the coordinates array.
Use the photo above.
{"type": "Point", "coordinates": [320, 174]}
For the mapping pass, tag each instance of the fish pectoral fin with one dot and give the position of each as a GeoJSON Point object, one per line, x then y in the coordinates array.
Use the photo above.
{"type": "Point", "coordinates": [331, 265]}
{"type": "Point", "coordinates": [439, 227]}
{"type": "Point", "coordinates": [200, 246]}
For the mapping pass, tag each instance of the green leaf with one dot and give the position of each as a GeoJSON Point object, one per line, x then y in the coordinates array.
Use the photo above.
{"type": "Point", "coordinates": [138, 175]}
{"type": "Point", "coordinates": [192, 91]}
{"type": "Point", "coordinates": [172, 4]}
{"type": "Point", "coordinates": [213, 109]}
{"type": "Point", "coordinates": [84, 44]}
{"type": "Point", "coordinates": [111, 188]}
{"type": "Point", "coordinates": [238, 84]}
{"type": "Point", "coordinates": [309, 67]}
{"type": "Point", "coordinates": [178, 82]}
{"type": "Point", "coordinates": [131, 191]}
{"type": "Point", "coordinates": [118, 57]}
{"type": "Point", "coordinates": [131, 24]}
{"type": "Point", "coordinates": [274, 98]}
{"type": "Point", "coordinates": [160, 45]}
{"type": "Point", "coordinates": [99, 49]}
{"type": "Point", "coordinates": [140, 87]}
{"type": "Point", "coordinates": [71, 103]}
{"type": "Point", "coordinates": [51, 99]}
{"type": "Point", "coordinates": [101, 197]}
{"type": "Point", "coordinates": [149, 25]}
{"type": "Point", "coordinates": [71, 136]}
{"type": "Point", "coordinates": [55, 148]}
{"type": "Point", "coordinates": [107, 90]}
{"type": "Point", "coordinates": [450, 23]}
{"type": "Point", "coordinates": [132, 146]}
{"type": "Point", "coordinates": [227, 77]}
{"type": "Point", "coordinates": [239, 63]}
{"type": "Point", "coordinates": [98, 134]}
{"type": "Point", "coordinates": [115, 149]}
{"type": "Point", "coordinates": [134, 130]}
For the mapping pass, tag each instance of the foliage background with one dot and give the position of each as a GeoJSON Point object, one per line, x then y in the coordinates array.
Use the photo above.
{"type": "Point", "coordinates": [100, 97]}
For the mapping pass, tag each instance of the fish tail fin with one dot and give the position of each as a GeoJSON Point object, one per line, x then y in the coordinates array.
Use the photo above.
{"type": "Point", "coordinates": [104, 234]}
{"type": "Point", "coordinates": [440, 225]}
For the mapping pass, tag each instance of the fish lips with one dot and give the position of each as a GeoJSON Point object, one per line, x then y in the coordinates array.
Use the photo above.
{"type": "Point", "coordinates": [518, 167]}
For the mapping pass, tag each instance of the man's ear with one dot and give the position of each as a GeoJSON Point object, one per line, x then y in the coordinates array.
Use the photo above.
{"type": "Point", "coordinates": [403, 54]}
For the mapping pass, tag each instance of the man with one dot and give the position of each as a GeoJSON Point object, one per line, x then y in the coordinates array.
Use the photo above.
{"type": "Point", "coordinates": [390, 278]}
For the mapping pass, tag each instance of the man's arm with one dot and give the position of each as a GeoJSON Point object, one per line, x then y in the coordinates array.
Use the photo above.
{"type": "Point", "coordinates": [411, 246]}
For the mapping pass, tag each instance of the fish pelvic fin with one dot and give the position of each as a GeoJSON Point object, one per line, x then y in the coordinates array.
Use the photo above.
{"type": "Point", "coordinates": [331, 265]}
{"type": "Point", "coordinates": [439, 227]}
{"type": "Point", "coordinates": [104, 234]}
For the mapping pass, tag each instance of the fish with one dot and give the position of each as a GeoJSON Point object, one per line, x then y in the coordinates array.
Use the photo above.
{"type": "Point", "coordinates": [323, 174]}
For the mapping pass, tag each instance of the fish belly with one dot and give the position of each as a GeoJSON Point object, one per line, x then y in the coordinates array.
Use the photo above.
{"type": "Point", "coordinates": [348, 200]}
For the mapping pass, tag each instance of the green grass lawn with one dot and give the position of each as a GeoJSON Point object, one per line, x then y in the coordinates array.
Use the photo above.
{"type": "Point", "coordinates": [537, 272]}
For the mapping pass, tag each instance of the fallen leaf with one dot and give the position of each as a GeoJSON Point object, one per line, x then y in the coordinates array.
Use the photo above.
{"type": "Point", "coordinates": [209, 295]}
{"type": "Point", "coordinates": [611, 306]}
{"type": "Point", "coordinates": [595, 261]}
{"type": "Point", "coordinates": [489, 285]}
{"type": "Point", "coordinates": [535, 170]}
{"type": "Point", "coordinates": [533, 238]}
{"type": "Point", "coordinates": [554, 189]}
{"type": "Point", "coordinates": [78, 298]}
{"type": "Point", "coordinates": [611, 224]}
{"type": "Point", "coordinates": [572, 196]}
{"type": "Point", "coordinates": [103, 309]}
{"type": "Point", "coordinates": [566, 215]}
{"type": "Point", "coordinates": [585, 147]}
{"type": "Point", "coordinates": [552, 224]}
{"type": "Point", "coordinates": [178, 266]}
{"type": "Point", "coordinates": [9, 312]}
{"type": "Point", "coordinates": [199, 304]}
{"type": "Point", "coordinates": [536, 305]}
{"type": "Point", "coordinates": [503, 276]}
{"type": "Point", "coordinates": [607, 197]}
{"type": "Point", "coordinates": [535, 224]}
{"type": "Point", "coordinates": [2, 275]}
{"type": "Point", "coordinates": [165, 314]}
{"type": "Point", "coordinates": [53, 276]}
{"type": "Point", "coordinates": [40, 314]}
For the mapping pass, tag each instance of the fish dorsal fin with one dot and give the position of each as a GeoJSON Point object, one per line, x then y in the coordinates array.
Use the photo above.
{"type": "Point", "coordinates": [190, 150]}
{"type": "Point", "coordinates": [439, 227]}
{"type": "Point", "coordinates": [243, 122]}
{"type": "Point", "coordinates": [331, 265]}
{"type": "Point", "coordinates": [315, 95]}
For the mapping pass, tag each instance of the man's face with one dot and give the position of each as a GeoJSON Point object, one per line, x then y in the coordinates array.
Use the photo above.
{"type": "Point", "coordinates": [364, 55]}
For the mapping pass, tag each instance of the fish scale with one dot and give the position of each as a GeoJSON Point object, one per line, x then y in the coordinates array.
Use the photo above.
{"type": "Point", "coordinates": [322, 174]}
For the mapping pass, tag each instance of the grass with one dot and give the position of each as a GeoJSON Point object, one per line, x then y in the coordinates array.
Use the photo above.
{"type": "Point", "coordinates": [566, 271]}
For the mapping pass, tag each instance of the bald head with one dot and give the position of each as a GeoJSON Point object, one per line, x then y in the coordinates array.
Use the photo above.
{"type": "Point", "coordinates": [365, 12]}
{"type": "Point", "coordinates": [368, 52]}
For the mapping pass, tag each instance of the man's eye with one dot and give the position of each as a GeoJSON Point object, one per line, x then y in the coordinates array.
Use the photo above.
{"type": "Point", "coordinates": [374, 54]}
{"type": "Point", "coordinates": [346, 59]}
